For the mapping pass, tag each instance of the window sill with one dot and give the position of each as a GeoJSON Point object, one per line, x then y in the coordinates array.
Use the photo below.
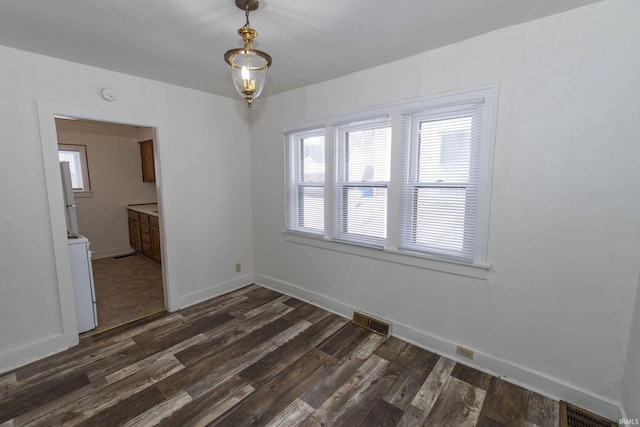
{"type": "Point", "coordinates": [478, 271]}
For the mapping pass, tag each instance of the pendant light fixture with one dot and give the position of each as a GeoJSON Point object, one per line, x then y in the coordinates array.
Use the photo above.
{"type": "Point", "coordinates": [248, 65]}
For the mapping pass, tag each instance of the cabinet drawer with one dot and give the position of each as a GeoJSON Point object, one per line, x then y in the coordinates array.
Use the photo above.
{"type": "Point", "coordinates": [144, 218]}
{"type": "Point", "coordinates": [146, 237]}
{"type": "Point", "coordinates": [153, 220]}
{"type": "Point", "coordinates": [133, 215]}
{"type": "Point", "coordinates": [144, 228]}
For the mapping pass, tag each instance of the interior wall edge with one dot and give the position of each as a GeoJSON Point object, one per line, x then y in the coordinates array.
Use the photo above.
{"type": "Point", "coordinates": [506, 370]}
{"type": "Point", "coordinates": [631, 377]}
{"type": "Point", "coordinates": [623, 413]}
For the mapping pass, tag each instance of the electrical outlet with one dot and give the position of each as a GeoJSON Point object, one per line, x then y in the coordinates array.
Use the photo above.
{"type": "Point", "coordinates": [464, 352]}
{"type": "Point", "coordinates": [238, 268]}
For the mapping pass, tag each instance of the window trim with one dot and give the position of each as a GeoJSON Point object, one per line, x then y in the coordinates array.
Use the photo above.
{"type": "Point", "coordinates": [476, 268]}
{"type": "Point", "coordinates": [294, 183]}
{"type": "Point", "coordinates": [412, 187]}
{"type": "Point", "coordinates": [395, 256]}
{"type": "Point", "coordinates": [342, 184]}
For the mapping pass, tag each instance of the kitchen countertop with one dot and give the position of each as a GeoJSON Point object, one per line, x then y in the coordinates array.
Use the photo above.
{"type": "Point", "coordinates": [148, 208]}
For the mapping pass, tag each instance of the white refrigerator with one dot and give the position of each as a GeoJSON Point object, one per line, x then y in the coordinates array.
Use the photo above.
{"type": "Point", "coordinates": [80, 255]}
{"type": "Point", "coordinates": [69, 199]}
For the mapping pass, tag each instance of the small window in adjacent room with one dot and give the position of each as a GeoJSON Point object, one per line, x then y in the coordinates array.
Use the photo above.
{"type": "Point", "coordinates": [76, 155]}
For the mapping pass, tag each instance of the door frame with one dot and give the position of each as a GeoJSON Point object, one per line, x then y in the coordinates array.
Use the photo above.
{"type": "Point", "coordinates": [47, 113]}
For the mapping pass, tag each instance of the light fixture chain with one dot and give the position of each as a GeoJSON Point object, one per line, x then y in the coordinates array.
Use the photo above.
{"type": "Point", "coordinates": [246, 14]}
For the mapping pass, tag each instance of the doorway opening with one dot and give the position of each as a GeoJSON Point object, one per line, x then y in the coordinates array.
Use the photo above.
{"type": "Point", "coordinates": [47, 113]}
{"type": "Point", "coordinates": [117, 211]}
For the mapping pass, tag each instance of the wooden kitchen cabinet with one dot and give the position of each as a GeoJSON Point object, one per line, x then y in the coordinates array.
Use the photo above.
{"type": "Point", "coordinates": [154, 234]}
{"type": "Point", "coordinates": [135, 240]}
{"type": "Point", "coordinates": [148, 165]}
{"type": "Point", "coordinates": [144, 235]}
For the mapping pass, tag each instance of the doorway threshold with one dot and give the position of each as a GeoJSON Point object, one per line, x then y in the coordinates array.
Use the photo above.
{"type": "Point", "coordinates": [101, 334]}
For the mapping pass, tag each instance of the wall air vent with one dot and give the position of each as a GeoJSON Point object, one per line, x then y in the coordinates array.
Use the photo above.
{"type": "Point", "coordinates": [374, 325]}
{"type": "Point", "coordinates": [572, 416]}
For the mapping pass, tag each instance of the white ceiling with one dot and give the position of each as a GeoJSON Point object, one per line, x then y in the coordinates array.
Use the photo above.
{"type": "Point", "coordinates": [183, 41]}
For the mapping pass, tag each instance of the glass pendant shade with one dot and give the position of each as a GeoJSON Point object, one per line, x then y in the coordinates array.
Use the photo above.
{"type": "Point", "coordinates": [249, 71]}
{"type": "Point", "coordinates": [248, 65]}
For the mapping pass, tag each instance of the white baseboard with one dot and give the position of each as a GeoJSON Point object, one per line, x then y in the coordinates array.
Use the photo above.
{"type": "Point", "coordinates": [107, 253]}
{"type": "Point", "coordinates": [214, 291]}
{"type": "Point", "coordinates": [22, 355]}
{"type": "Point", "coordinates": [511, 372]}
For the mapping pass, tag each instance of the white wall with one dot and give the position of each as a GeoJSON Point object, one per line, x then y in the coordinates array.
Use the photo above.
{"type": "Point", "coordinates": [631, 392]}
{"type": "Point", "coordinates": [113, 157]}
{"type": "Point", "coordinates": [554, 312]}
{"type": "Point", "coordinates": [556, 308]}
{"type": "Point", "coordinates": [204, 158]}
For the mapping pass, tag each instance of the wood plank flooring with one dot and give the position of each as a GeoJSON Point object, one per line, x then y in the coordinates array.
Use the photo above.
{"type": "Point", "coordinates": [257, 357]}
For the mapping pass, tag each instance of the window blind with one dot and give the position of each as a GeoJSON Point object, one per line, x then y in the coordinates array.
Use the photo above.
{"type": "Point", "coordinates": [361, 185]}
{"type": "Point", "coordinates": [305, 177]}
{"type": "Point", "coordinates": [432, 201]}
{"type": "Point", "coordinates": [440, 180]}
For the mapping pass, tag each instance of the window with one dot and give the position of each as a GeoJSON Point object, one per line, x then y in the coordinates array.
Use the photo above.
{"type": "Point", "coordinates": [76, 155]}
{"type": "Point", "coordinates": [440, 186]}
{"type": "Point", "coordinates": [412, 179]}
{"type": "Point", "coordinates": [305, 182]}
{"type": "Point", "coordinates": [363, 166]}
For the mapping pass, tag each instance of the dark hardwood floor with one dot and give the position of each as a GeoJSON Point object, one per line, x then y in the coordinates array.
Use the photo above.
{"type": "Point", "coordinates": [256, 357]}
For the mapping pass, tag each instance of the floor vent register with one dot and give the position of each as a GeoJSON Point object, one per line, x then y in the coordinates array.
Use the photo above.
{"type": "Point", "coordinates": [374, 325]}
{"type": "Point", "coordinates": [572, 416]}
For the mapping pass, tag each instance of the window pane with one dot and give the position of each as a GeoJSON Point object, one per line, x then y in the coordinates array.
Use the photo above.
{"type": "Point", "coordinates": [364, 172]}
{"type": "Point", "coordinates": [441, 167]}
{"type": "Point", "coordinates": [440, 218]}
{"type": "Point", "coordinates": [305, 182]}
{"type": "Point", "coordinates": [312, 151]}
{"type": "Point", "coordinates": [365, 212]}
{"type": "Point", "coordinates": [445, 150]}
{"type": "Point", "coordinates": [75, 166]}
{"type": "Point", "coordinates": [311, 214]}
{"type": "Point", "coordinates": [368, 152]}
